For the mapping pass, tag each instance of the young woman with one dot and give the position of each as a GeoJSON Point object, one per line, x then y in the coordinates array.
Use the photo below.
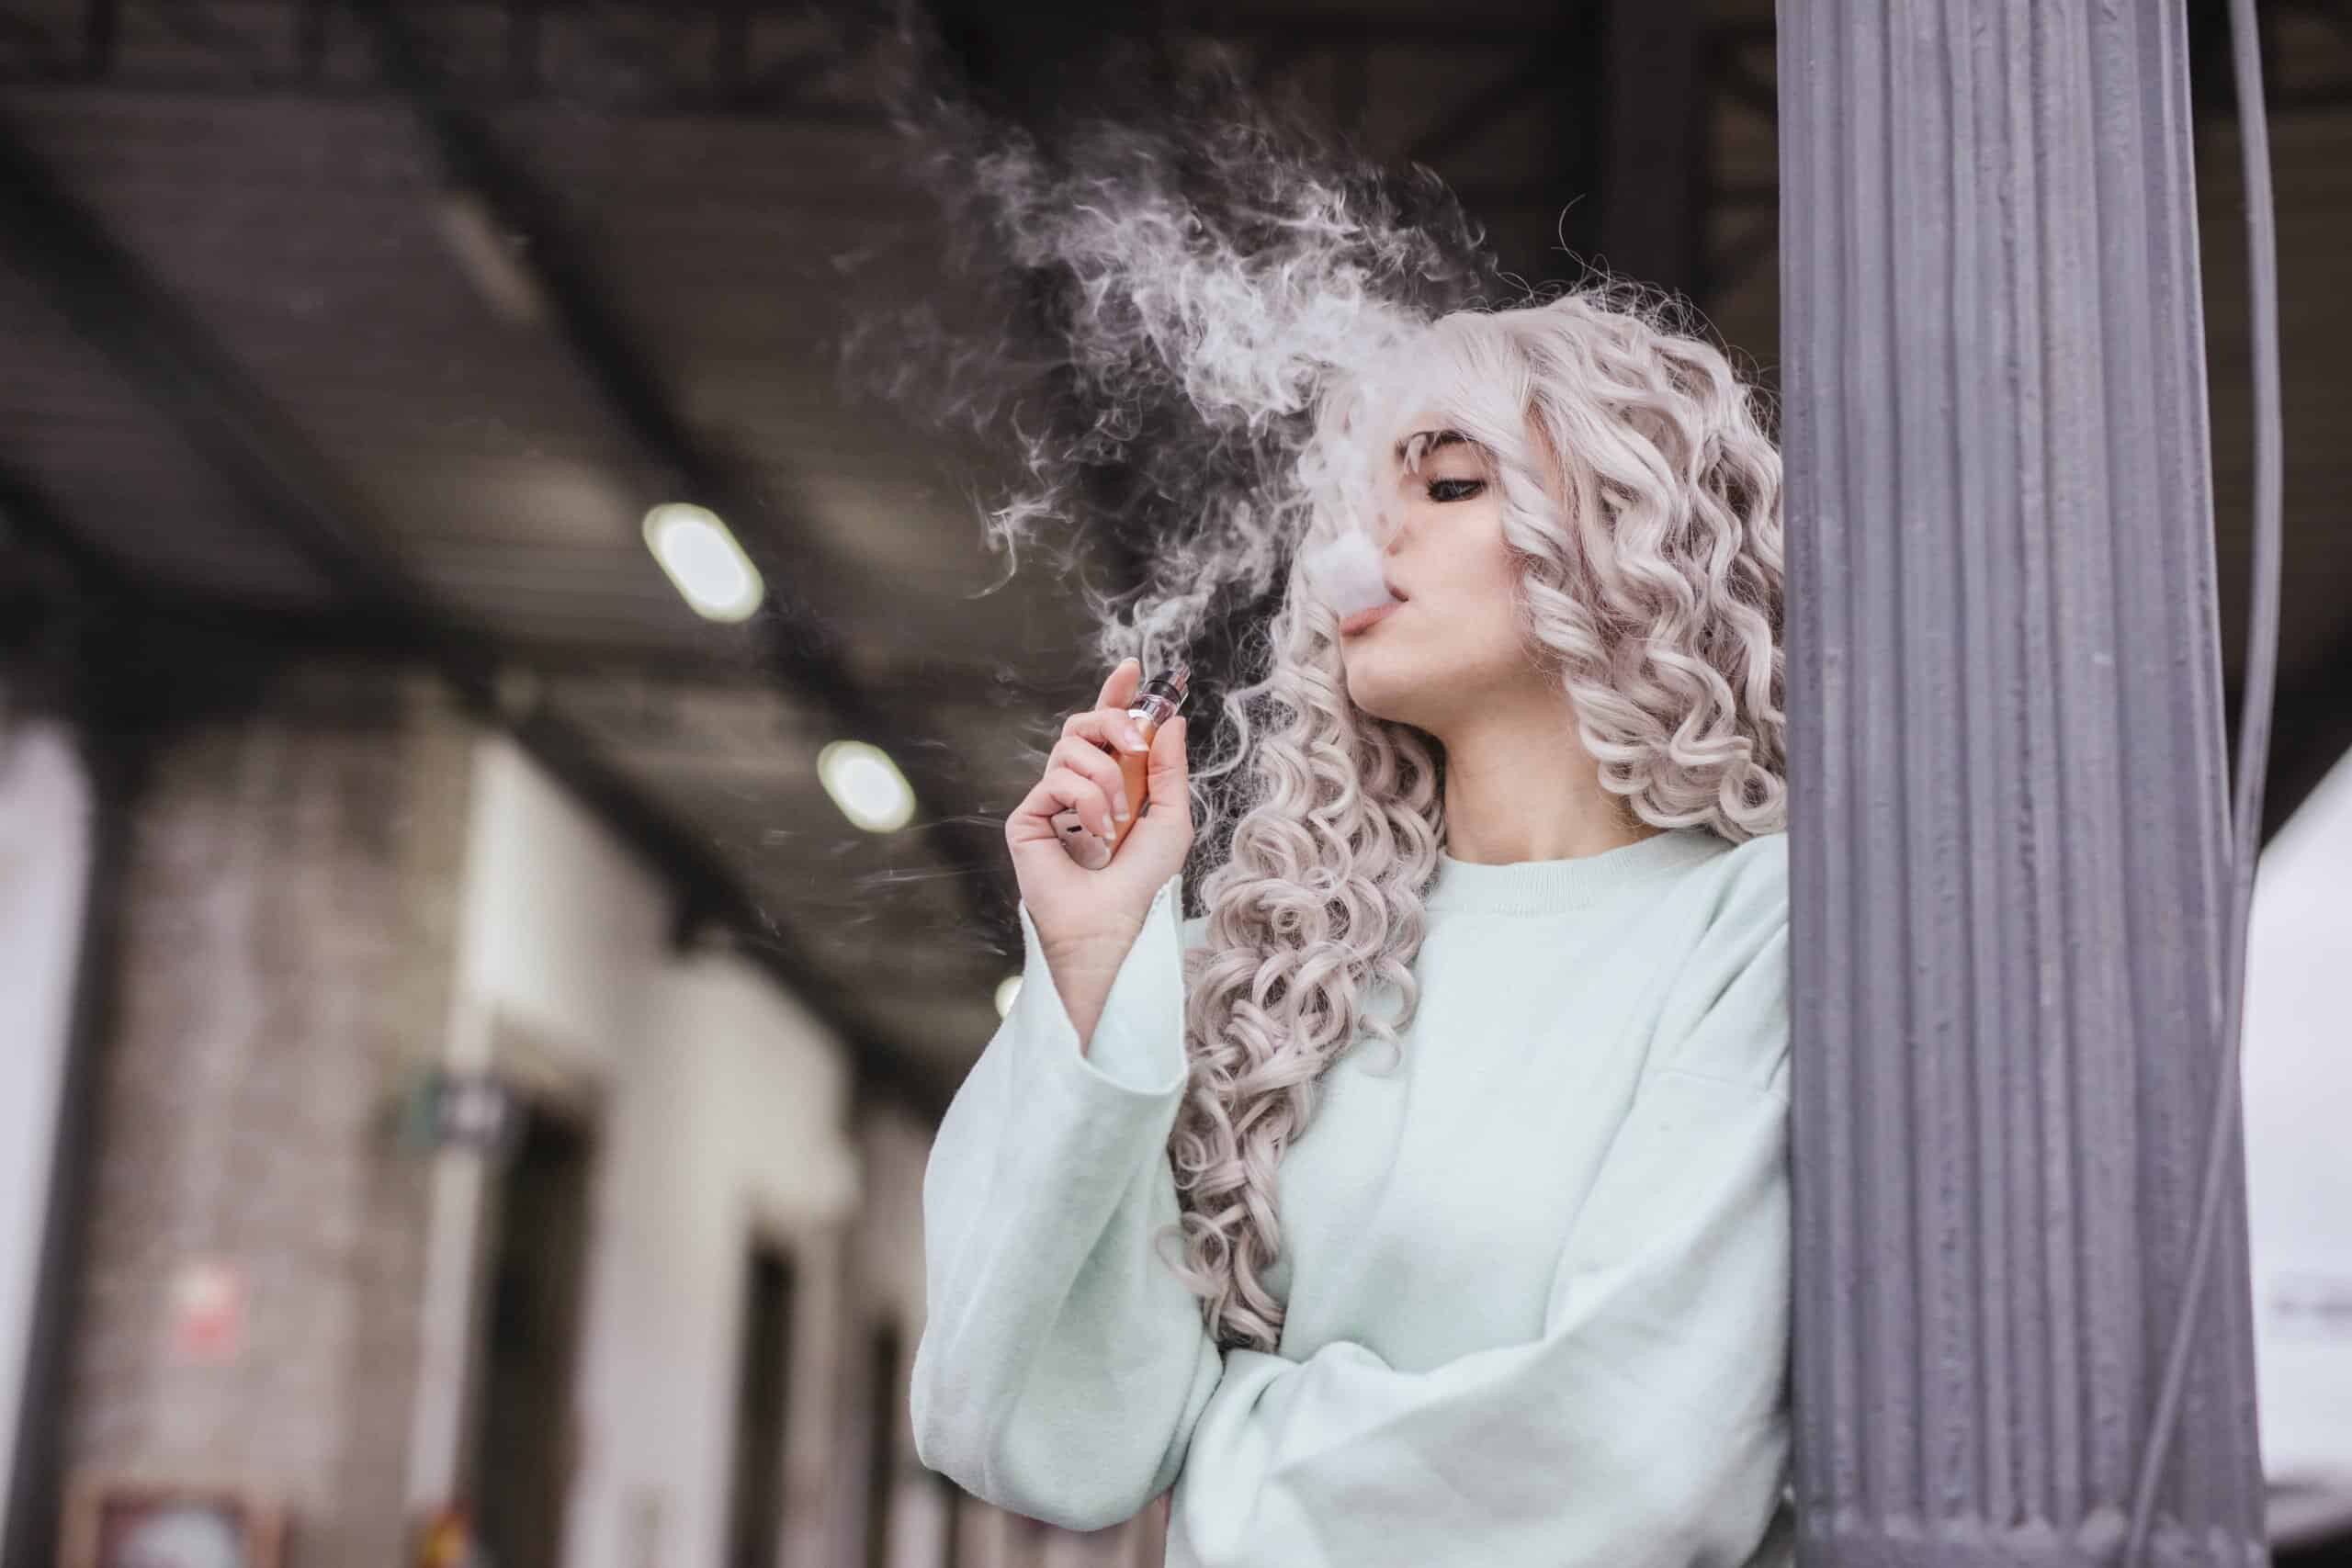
{"type": "Point", "coordinates": [1511, 1289]}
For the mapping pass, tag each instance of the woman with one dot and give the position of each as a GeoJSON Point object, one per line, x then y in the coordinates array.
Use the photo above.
{"type": "Point", "coordinates": [1512, 1289]}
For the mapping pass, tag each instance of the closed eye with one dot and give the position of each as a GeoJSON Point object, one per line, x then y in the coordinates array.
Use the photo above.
{"type": "Point", "coordinates": [1455, 490]}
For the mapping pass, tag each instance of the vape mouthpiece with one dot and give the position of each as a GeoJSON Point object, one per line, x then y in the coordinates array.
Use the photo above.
{"type": "Point", "coordinates": [1344, 573]}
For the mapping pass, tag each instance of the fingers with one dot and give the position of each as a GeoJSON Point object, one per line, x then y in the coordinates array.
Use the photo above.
{"type": "Point", "coordinates": [1084, 757]}
{"type": "Point", "coordinates": [1119, 690]}
{"type": "Point", "coordinates": [1165, 772]}
{"type": "Point", "coordinates": [1105, 727]}
{"type": "Point", "coordinates": [1083, 773]}
{"type": "Point", "coordinates": [1057, 790]}
{"type": "Point", "coordinates": [1063, 788]}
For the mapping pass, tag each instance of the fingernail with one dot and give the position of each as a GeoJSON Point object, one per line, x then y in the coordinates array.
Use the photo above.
{"type": "Point", "coordinates": [1136, 742]}
{"type": "Point", "coordinates": [1119, 804]}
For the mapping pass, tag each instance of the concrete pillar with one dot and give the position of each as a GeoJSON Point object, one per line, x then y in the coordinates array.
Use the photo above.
{"type": "Point", "coordinates": [286, 945]}
{"type": "Point", "coordinates": [51, 887]}
{"type": "Point", "coordinates": [2008, 852]}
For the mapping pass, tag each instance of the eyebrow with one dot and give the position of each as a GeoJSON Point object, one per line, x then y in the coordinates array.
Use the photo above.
{"type": "Point", "coordinates": [1437, 438]}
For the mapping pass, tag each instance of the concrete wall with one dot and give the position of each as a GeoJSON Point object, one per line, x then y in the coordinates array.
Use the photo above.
{"type": "Point", "coordinates": [559, 939]}
{"type": "Point", "coordinates": [720, 1111]}
{"type": "Point", "coordinates": [725, 1126]}
{"type": "Point", "coordinates": [565, 929]}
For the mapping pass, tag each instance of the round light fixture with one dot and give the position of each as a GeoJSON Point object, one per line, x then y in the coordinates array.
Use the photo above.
{"type": "Point", "coordinates": [703, 561]}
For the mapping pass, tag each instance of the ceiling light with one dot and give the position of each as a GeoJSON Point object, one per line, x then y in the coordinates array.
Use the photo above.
{"type": "Point", "coordinates": [1006, 989]}
{"type": "Point", "coordinates": [866, 785]}
{"type": "Point", "coordinates": [703, 560]}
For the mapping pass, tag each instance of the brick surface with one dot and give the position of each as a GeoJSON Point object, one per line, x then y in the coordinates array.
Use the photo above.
{"type": "Point", "coordinates": [288, 942]}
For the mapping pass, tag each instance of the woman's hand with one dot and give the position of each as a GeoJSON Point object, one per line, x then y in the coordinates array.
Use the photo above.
{"type": "Point", "coordinates": [1087, 919]}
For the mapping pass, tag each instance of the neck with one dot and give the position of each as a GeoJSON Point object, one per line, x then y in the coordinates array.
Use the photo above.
{"type": "Point", "coordinates": [1520, 786]}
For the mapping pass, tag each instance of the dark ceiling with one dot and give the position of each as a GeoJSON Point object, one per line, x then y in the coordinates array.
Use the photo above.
{"type": "Point", "coordinates": [373, 326]}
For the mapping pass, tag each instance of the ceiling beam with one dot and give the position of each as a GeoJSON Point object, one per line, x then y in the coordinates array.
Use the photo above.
{"type": "Point", "coordinates": [106, 293]}
{"type": "Point", "coordinates": [795, 642]}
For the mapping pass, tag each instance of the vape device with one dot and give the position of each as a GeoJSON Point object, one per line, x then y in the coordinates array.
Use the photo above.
{"type": "Point", "coordinates": [1155, 703]}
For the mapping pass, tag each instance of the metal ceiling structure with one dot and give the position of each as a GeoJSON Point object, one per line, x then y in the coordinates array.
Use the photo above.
{"type": "Point", "coordinates": [356, 326]}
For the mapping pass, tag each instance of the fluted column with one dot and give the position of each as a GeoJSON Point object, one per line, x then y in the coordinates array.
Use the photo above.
{"type": "Point", "coordinates": [2009, 840]}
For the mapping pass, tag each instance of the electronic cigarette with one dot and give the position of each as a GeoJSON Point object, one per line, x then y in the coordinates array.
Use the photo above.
{"type": "Point", "coordinates": [1155, 703]}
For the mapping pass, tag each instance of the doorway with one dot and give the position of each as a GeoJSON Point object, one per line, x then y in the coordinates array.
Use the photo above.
{"type": "Point", "coordinates": [763, 1400]}
{"type": "Point", "coordinates": [523, 1453]}
{"type": "Point", "coordinates": [884, 1402]}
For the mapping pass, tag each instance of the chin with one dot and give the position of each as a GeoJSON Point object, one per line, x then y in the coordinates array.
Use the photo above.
{"type": "Point", "coordinates": [1378, 693]}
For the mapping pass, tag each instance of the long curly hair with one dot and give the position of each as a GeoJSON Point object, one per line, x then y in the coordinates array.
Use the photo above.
{"type": "Point", "coordinates": [1640, 495]}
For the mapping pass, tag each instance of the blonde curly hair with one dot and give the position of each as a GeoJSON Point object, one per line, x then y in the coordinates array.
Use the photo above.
{"type": "Point", "coordinates": [1641, 499]}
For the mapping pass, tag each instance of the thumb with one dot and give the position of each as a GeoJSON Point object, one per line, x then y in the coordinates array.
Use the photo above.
{"type": "Point", "coordinates": [1165, 772]}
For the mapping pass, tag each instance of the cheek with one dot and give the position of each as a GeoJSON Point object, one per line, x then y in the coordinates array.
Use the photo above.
{"type": "Point", "coordinates": [1476, 566]}
{"type": "Point", "coordinates": [1481, 582]}
{"type": "Point", "coordinates": [1463, 610]}
{"type": "Point", "coordinates": [1453, 562]}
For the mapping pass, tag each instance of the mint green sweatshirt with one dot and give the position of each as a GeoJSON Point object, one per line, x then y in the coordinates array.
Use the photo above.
{"type": "Point", "coordinates": [1537, 1272]}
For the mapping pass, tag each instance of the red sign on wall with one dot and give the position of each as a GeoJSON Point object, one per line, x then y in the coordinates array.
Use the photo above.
{"type": "Point", "coordinates": [207, 1311]}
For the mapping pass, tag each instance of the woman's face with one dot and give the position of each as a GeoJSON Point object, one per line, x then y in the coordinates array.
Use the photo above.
{"type": "Point", "coordinates": [1454, 645]}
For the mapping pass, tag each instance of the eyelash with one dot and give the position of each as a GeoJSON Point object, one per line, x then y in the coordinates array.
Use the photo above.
{"type": "Point", "coordinates": [1468, 488]}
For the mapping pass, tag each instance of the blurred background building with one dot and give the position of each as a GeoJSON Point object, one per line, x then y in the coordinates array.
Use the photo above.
{"type": "Point", "coordinates": [472, 999]}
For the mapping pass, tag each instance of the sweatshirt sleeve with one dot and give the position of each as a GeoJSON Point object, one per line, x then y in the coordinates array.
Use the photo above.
{"type": "Point", "coordinates": [1645, 1426]}
{"type": "Point", "coordinates": [1062, 1364]}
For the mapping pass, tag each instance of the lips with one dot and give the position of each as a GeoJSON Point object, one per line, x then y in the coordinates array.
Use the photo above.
{"type": "Point", "coordinates": [1362, 619]}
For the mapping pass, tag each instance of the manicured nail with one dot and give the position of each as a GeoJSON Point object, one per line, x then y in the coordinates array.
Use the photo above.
{"type": "Point", "coordinates": [1119, 804]}
{"type": "Point", "coordinates": [1136, 742]}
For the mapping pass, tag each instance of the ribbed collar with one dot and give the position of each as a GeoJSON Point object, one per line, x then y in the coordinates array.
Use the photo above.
{"type": "Point", "coordinates": [1547, 886]}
